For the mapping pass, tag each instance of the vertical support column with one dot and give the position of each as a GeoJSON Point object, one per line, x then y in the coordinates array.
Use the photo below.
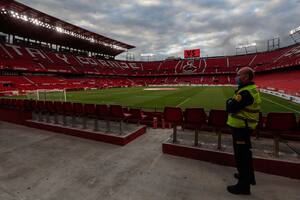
{"type": "Point", "coordinates": [74, 120]}
{"type": "Point", "coordinates": [196, 137]}
{"type": "Point", "coordinates": [48, 117]}
{"type": "Point", "coordinates": [55, 118]}
{"type": "Point", "coordinates": [121, 127]}
{"type": "Point", "coordinates": [96, 125]}
{"type": "Point", "coordinates": [40, 118]}
{"type": "Point", "coordinates": [276, 146]}
{"type": "Point", "coordinates": [174, 133]}
{"type": "Point", "coordinates": [108, 126]}
{"type": "Point", "coordinates": [219, 139]}
{"type": "Point", "coordinates": [64, 120]}
{"type": "Point", "coordinates": [84, 122]}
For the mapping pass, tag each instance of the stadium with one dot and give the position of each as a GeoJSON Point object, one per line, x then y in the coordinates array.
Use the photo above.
{"type": "Point", "coordinates": [78, 123]}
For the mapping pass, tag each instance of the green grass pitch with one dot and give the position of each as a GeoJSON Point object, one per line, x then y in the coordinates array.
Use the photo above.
{"type": "Point", "coordinates": [184, 97]}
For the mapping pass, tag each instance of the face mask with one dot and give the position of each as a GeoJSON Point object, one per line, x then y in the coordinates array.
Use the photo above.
{"type": "Point", "coordinates": [238, 80]}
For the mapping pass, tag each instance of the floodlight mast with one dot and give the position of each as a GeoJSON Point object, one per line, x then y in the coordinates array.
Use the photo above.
{"type": "Point", "coordinates": [147, 55]}
{"type": "Point", "coordinates": [246, 46]}
{"type": "Point", "coordinates": [293, 32]}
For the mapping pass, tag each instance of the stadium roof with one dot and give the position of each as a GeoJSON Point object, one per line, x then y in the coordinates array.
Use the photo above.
{"type": "Point", "coordinates": [19, 19]}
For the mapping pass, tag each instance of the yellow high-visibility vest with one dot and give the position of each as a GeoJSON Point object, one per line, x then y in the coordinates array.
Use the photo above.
{"type": "Point", "coordinates": [248, 116]}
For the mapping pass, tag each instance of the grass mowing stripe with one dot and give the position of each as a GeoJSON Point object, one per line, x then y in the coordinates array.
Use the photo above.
{"type": "Point", "coordinates": [183, 102]}
{"type": "Point", "coordinates": [279, 104]}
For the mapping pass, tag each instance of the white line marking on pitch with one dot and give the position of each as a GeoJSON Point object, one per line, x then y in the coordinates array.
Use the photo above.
{"type": "Point", "coordinates": [279, 104]}
{"type": "Point", "coordinates": [187, 99]}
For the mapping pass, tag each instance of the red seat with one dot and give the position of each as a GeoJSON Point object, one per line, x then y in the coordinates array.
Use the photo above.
{"type": "Point", "coordinates": [40, 106]}
{"type": "Point", "coordinates": [50, 107]}
{"type": "Point", "coordinates": [78, 109]}
{"type": "Point", "coordinates": [281, 125]}
{"type": "Point", "coordinates": [194, 117]}
{"type": "Point", "coordinates": [173, 115]}
{"type": "Point", "coordinates": [217, 118]}
{"type": "Point", "coordinates": [58, 107]}
{"type": "Point", "coordinates": [136, 115]}
{"type": "Point", "coordinates": [67, 111]}
{"type": "Point", "coordinates": [285, 123]}
{"type": "Point", "coordinates": [67, 108]}
{"type": "Point", "coordinates": [102, 111]}
{"type": "Point", "coordinates": [20, 104]}
{"type": "Point", "coordinates": [27, 105]}
{"type": "Point", "coordinates": [117, 113]}
{"type": "Point", "coordinates": [89, 110]}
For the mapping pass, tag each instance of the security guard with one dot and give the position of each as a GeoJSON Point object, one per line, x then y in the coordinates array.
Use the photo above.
{"type": "Point", "coordinates": [243, 118]}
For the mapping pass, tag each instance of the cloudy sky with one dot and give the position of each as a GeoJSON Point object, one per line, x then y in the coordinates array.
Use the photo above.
{"type": "Point", "coordinates": [166, 28]}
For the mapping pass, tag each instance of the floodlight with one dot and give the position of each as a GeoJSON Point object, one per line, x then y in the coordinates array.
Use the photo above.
{"type": "Point", "coordinates": [59, 29]}
{"type": "Point", "coordinates": [147, 54]}
{"type": "Point", "coordinates": [295, 30]}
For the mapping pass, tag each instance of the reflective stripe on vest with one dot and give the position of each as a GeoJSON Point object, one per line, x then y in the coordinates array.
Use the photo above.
{"type": "Point", "coordinates": [248, 116]}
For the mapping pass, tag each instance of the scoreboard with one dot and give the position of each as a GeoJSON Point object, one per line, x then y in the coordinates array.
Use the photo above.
{"type": "Point", "coordinates": [192, 53]}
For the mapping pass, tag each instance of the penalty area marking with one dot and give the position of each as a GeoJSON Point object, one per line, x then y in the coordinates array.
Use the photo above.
{"type": "Point", "coordinates": [279, 104]}
{"type": "Point", "coordinates": [162, 89]}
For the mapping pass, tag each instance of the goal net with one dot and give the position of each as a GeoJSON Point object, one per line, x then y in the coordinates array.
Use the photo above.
{"type": "Point", "coordinates": [48, 95]}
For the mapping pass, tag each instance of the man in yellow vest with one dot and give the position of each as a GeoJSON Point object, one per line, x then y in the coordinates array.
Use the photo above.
{"type": "Point", "coordinates": [243, 118]}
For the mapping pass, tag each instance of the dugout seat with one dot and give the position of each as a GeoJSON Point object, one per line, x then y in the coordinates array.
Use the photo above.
{"type": "Point", "coordinates": [50, 110]}
{"type": "Point", "coordinates": [281, 125]}
{"type": "Point", "coordinates": [27, 105]}
{"type": "Point", "coordinates": [103, 113]}
{"type": "Point", "coordinates": [39, 108]}
{"type": "Point", "coordinates": [136, 115]}
{"type": "Point", "coordinates": [195, 118]}
{"type": "Point", "coordinates": [78, 111]}
{"type": "Point", "coordinates": [58, 106]}
{"type": "Point", "coordinates": [174, 116]}
{"type": "Point", "coordinates": [89, 111]}
{"type": "Point", "coordinates": [217, 119]}
{"type": "Point", "coordinates": [117, 113]}
{"type": "Point", "coordinates": [67, 111]}
{"type": "Point", "coordinates": [19, 104]}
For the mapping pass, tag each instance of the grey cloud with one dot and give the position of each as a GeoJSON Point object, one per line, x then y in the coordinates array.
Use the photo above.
{"type": "Point", "coordinates": [161, 27]}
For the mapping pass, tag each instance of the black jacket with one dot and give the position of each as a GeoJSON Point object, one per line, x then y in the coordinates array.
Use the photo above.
{"type": "Point", "coordinates": [246, 99]}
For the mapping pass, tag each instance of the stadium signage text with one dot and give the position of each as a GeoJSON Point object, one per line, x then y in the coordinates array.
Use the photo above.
{"type": "Point", "coordinates": [192, 53]}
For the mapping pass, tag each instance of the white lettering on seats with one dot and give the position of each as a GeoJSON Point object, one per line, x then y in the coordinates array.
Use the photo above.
{"type": "Point", "coordinates": [92, 61]}
{"type": "Point", "coordinates": [34, 52]}
{"type": "Point", "coordinates": [113, 64]}
{"type": "Point", "coordinates": [103, 62]}
{"type": "Point", "coordinates": [133, 65]}
{"type": "Point", "coordinates": [15, 48]}
{"type": "Point", "coordinates": [124, 65]}
{"type": "Point", "coordinates": [2, 47]}
{"type": "Point", "coordinates": [82, 60]}
{"type": "Point", "coordinates": [62, 57]}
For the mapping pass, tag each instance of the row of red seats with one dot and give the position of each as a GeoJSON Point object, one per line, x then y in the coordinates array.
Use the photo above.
{"type": "Point", "coordinates": [284, 123]}
{"type": "Point", "coordinates": [102, 112]}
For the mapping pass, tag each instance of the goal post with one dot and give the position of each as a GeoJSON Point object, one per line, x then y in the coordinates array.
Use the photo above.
{"type": "Point", "coordinates": [46, 95]}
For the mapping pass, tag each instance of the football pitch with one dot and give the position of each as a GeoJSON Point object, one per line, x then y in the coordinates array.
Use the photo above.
{"type": "Point", "coordinates": [184, 97]}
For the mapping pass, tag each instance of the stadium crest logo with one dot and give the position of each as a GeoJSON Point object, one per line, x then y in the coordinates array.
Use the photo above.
{"type": "Point", "coordinates": [189, 68]}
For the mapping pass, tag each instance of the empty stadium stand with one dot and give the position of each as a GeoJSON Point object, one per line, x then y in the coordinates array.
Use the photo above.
{"type": "Point", "coordinates": [63, 62]}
